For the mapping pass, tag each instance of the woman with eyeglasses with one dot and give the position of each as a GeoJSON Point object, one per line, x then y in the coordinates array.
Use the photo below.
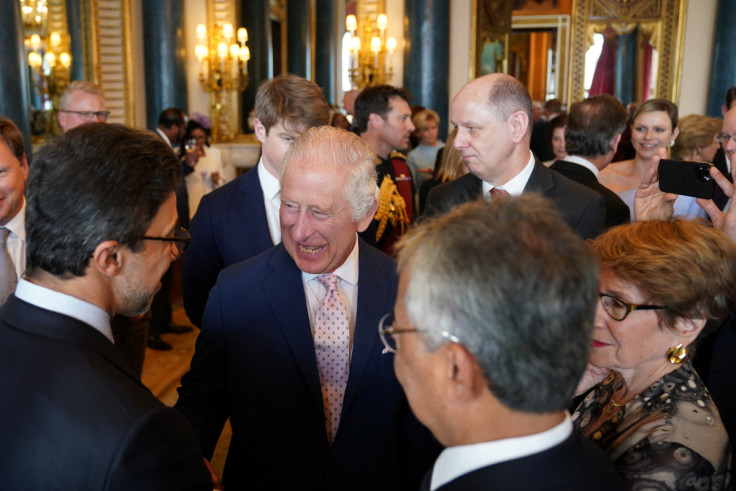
{"type": "Point", "coordinates": [663, 286]}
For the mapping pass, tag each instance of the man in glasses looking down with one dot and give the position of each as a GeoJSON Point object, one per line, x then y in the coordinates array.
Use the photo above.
{"type": "Point", "coordinates": [491, 329]}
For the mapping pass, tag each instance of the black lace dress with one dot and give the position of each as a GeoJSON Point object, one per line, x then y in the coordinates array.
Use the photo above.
{"type": "Point", "coordinates": [669, 437]}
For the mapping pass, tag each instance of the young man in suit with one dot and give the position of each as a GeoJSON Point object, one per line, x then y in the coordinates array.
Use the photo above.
{"type": "Point", "coordinates": [289, 349]}
{"type": "Point", "coordinates": [490, 364]}
{"type": "Point", "coordinates": [241, 219]}
{"type": "Point", "coordinates": [592, 135]}
{"type": "Point", "coordinates": [100, 233]}
{"type": "Point", "coordinates": [492, 115]}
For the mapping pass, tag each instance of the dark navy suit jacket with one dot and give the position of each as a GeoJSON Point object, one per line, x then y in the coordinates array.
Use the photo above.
{"type": "Point", "coordinates": [255, 362]}
{"type": "Point", "coordinates": [573, 465]}
{"type": "Point", "coordinates": [74, 416]}
{"type": "Point", "coordinates": [582, 208]}
{"type": "Point", "coordinates": [230, 226]}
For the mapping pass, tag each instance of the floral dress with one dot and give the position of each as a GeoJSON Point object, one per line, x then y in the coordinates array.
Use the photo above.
{"type": "Point", "coordinates": [669, 437]}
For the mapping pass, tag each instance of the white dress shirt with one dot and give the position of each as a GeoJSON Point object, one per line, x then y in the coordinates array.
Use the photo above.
{"type": "Point", "coordinates": [17, 240]}
{"type": "Point", "coordinates": [585, 163]}
{"type": "Point", "coordinates": [517, 184]}
{"type": "Point", "coordinates": [61, 303]}
{"type": "Point", "coordinates": [457, 461]}
{"type": "Point", "coordinates": [163, 135]}
{"type": "Point", "coordinates": [347, 286]}
{"type": "Point", "coordinates": [271, 188]}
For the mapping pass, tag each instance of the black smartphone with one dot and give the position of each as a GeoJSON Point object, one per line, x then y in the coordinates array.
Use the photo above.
{"type": "Point", "coordinates": [686, 178]}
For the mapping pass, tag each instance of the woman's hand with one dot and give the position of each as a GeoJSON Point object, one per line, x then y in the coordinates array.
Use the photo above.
{"type": "Point", "coordinates": [591, 377]}
{"type": "Point", "coordinates": [650, 202]}
{"type": "Point", "coordinates": [723, 221]}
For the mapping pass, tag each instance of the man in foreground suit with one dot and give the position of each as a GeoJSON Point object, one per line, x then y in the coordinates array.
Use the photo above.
{"type": "Point", "coordinates": [490, 364]}
{"type": "Point", "coordinates": [307, 413]}
{"type": "Point", "coordinates": [592, 135]}
{"type": "Point", "coordinates": [492, 115]}
{"type": "Point", "coordinates": [100, 232]}
{"type": "Point", "coordinates": [241, 219]}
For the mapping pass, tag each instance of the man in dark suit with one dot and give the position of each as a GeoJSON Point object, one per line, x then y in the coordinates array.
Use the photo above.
{"type": "Point", "coordinates": [241, 219]}
{"type": "Point", "coordinates": [492, 115]}
{"type": "Point", "coordinates": [100, 233]}
{"type": "Point", "coordinates": [592, 135]}
{"type": "Point", "coordinates": [308, 412]}
{"type": "Point", "coordinates": [490, 363]}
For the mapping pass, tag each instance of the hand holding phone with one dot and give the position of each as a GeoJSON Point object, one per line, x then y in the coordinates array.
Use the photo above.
{"type": "Point", "coordinates": [686, 178]}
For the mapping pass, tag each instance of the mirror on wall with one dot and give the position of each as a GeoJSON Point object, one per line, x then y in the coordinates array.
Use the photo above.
{"type": "Point", "coordinates": [632, 50]}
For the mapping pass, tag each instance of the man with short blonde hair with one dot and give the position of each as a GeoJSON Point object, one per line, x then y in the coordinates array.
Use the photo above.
{"type": "Point", "coordinates": [82, 102]}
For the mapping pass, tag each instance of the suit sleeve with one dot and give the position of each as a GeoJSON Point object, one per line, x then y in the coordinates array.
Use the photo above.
{"type": "Point", "coordinates": [159, 452]}
{"type": "Point", "coordinates": [201, 263]}
{"type": "Point", "coordinates": [203, 395]}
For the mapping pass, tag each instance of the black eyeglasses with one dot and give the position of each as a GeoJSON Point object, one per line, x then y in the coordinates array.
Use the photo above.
{"type": "Point", "coordinates": [618, 309]}
{"type": "Point", "coordinates": [723, 138]}
{"type": "Point", "coordinates": [386, 332]}
{"type": "Point", "coordinates": [88, 116]}
{"type": "Point", "coordinates": [178, 242]}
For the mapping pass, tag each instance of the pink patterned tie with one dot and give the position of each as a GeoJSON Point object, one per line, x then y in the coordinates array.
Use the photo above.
{"type": "Point", "coordinates": [332, 345]}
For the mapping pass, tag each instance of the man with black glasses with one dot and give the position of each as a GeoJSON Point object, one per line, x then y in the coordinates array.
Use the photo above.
{"type": "Point", "coordinates": [100, 233]}
{"type": "Point", "coordinates": [82, 102]}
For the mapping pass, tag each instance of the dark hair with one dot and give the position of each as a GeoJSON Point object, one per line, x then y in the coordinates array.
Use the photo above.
{"type": "Point", "coordinates": [559, 121]}
{"type": "Point", "coordinates": [518, 289]}
{"type": "Point", "coordinates": [593, 125]}
{"type": "Point", "coordinates": [293, 100]}
{"type": "Point", "coordinates": [96, 182]}
{"type": "Point", "coordinates": [553, 106]}
{"type": "Point", "coordinates": [730, 96]}
{"type": "Point", "coordinates": [172, 116]}
{"type": "Point", "coordinates": [13, 138]}
{"type": "Point", "coordinates": [191, 126]}
{"type": "Point", "coordinates": [376, 100]}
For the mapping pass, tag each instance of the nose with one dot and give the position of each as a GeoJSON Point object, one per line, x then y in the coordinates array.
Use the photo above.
{"type": "Point", "coordinates": [409, 125]}
{"type": "Point", "coordinates": [97, 119]}
{"type": "Point", "coordinates": [460, 141]}
{"type": "Point", "coordinates": [302, 228]}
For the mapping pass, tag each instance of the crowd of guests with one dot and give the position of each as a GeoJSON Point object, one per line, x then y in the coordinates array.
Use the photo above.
{"type": "Point", "coordinates": [511, 309]}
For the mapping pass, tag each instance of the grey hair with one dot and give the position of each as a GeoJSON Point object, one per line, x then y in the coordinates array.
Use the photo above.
{"type": "Point", "coordinates": [340, 147]}
{"type": "Point", "coordinates": [83, 85]}
{"type": "Point", "coordinates": [515, 286]}
{"type": "Point", "coordinates": [506, 95]}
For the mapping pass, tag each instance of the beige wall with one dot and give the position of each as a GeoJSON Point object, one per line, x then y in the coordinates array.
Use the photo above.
{"type": "Point", "coordinates": [696, 64]}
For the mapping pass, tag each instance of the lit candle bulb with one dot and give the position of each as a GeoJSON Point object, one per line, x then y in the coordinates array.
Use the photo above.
{"type": "Point", "coordinates": [200, 52]}
{"type": "Point", "coordinates": [351, 23]}
{"type": "Point", "coordinates": [65, 59]}
{"type": "Point", "coordinates": [222, 50]}
{"type": "Point", "coordinates": [227, 31]}
{"type": "Point", "coordinates": [55, 39]}
{"type": "Point", "coordinates": [234, 51]}
{"type": "Point", "coordinates": [382, 23]}
{"type": "Point", "coordinates": [391, 45]}
{"type": "Point", "coordinates": [242, 35]}
{"type": "Point", "coordinates": [34, 59]}
{"type": "Point", "coordinates": [50, 59]}
{"type": "Point", "coordinates": [35, 42]}
{"type": "Point", "coordinates": [201, 33]}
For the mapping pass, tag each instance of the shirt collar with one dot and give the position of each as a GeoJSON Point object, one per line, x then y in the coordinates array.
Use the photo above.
{"type": "Point", "coordinates": [163, 135]}
{"type": "Point", "coordinates": [456, 461]}
{"type": "Point", "coordinates": [516, 185]}
{"type": "Point", "coordinates": [585, 163]}
{"type": "Point", "coordinates": [347, 271]}
{"type": "Point", "coordinates": [61, 303]}
{"type": "Point", "coordinates": [270, 185]}
{"type": "Point", "coordinates": [17, 224]}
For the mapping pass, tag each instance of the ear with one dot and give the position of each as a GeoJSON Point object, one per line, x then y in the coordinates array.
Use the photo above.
{"type": "Point", "coordinates": [259, 130]}
{"type": "Point", "coordinates": [688, 329]}
{"type": "Point", "coordinates": [519, 124]}
{"type": "Point", "coordinates": [108, 258]}
{"type": "Point", "coordinates": [466, 381]}
{"type": "Point", "coordinates": [363, 223]}
{"type": "Point", "coordinates": [375, 121]}
{"type": "Point", "coordinates": [24, 167]}
{"type": "Point", "coordinates": [616, 141]}
{"type": "Point", "coordinates": [675, 133]}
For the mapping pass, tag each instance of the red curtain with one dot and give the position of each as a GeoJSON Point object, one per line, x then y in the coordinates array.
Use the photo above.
{"type": "Point", "coordinates": [646, 77]}
{"type": "Point", "coordinates": [605, 70]}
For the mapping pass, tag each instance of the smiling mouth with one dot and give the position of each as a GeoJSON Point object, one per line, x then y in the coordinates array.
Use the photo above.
{"type": "Point", "coordinates": [310, 249]}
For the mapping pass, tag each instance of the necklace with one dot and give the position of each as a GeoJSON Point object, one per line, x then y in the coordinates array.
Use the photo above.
{"type": "Point", "coordinates": [611, 407]}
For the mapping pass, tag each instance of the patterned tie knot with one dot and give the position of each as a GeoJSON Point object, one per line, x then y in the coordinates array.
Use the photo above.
{"type": "Point", "coordinates": [329, 281]}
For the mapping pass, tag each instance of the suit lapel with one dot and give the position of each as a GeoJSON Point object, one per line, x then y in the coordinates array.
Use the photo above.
{"type": "Point", "coordinates": [252, 211]}
{"type": "Point", "coordinates": [540, 181]}
{"type": "Point", "coordinates": [370, 307]}
{"type": "Point", "coordinates": [285, 292]}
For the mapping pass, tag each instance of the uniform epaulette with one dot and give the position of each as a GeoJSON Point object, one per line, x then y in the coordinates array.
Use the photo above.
{"type": "Point", "coordinates": [395, 154]}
